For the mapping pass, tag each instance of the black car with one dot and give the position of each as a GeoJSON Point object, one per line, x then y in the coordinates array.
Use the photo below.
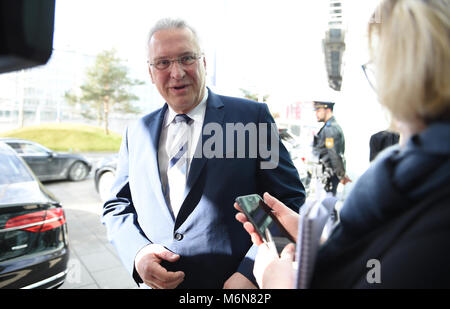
{"type": "Point", "coordinates": [49, 165]}
{"type": "Point", "coordinates": [33, 231]}
{"type": "Point", "coordinates": [104, 176]}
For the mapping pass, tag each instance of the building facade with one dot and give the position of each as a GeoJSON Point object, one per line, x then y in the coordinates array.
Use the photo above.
{"type": "Point", "coordinates": [36, 95]}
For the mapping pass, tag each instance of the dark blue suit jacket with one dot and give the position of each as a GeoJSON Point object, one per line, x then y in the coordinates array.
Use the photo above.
{"type": "Point", "coordinates": [211, 243]}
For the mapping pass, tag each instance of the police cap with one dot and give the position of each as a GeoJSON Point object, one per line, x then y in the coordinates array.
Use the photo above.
{"type": "Point", "coordinates": [323, 104]}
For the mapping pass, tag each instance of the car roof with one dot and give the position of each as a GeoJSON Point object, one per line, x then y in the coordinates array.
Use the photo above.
{"type": "Point", "coordinates": [21, 140]}
{"type": "Point", "coordinates": [14, 139]}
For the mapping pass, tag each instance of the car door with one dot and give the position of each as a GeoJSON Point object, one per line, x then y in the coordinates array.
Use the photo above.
{"type": "Point", "coordinates": [41, 160]}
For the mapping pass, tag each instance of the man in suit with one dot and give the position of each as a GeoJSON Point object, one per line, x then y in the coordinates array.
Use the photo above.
{"type": "Point", "coordinates": [171, 215]}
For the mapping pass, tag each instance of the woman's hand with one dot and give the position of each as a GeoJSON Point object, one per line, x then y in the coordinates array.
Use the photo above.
{"type": "Point", "coordinates": [286, 216]}
{"type": "Point", "coordinates": [273, 272]}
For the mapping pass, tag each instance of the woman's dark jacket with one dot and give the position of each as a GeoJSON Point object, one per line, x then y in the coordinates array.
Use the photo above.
{"type": "Point", "coordinates": [395, 224]}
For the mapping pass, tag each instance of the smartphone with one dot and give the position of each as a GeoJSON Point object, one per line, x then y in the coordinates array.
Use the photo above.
{"type": "Point", "coordinates": [262, 218]}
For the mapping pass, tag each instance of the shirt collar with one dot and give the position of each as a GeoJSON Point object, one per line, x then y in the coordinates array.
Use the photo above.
{"type": "Point", "coordinates": [196, 114]}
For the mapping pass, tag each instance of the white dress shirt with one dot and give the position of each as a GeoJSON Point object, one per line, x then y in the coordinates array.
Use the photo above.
{"type": "Point", "coordinates": [197, 115]}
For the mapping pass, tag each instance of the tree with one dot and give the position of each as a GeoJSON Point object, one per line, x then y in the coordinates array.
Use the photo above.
{"type": "Point", "coordinates": [105, 89]}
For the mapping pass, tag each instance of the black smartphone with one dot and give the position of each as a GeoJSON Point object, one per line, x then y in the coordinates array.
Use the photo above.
{"type": "Point", "coordinates": [262, 218]}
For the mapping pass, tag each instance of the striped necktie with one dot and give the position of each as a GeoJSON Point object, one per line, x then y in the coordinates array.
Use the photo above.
{"type": "Point", "coordinates": [178, 162]}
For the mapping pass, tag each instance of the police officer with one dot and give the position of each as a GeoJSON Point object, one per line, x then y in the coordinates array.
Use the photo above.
{"type": "Point", "coordinates": [329, 146]}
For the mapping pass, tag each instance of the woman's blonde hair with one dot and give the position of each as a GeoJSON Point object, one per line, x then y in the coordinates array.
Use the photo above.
{"type": "Point", "coordinates": [410, 47]}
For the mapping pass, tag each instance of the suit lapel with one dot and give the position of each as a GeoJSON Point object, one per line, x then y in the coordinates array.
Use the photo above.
{"type": "Point", "coordinates": [214, 114]}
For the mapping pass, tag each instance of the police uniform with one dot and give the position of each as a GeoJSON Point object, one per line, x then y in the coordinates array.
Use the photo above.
{"type": "Point", "coordinates": [329, 146]}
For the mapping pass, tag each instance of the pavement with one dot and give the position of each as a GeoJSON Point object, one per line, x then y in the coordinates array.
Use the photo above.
{"type": "Point", "coordinates": [93, 262]}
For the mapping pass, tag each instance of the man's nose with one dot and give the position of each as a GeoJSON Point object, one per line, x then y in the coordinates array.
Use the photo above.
{"type": "Point", "coordinates": [176, 70]}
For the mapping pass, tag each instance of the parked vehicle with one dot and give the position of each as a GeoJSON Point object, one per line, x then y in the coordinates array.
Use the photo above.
{"type": "Point", "coordinates": [50, 165]}
{"type": "Point", "coordinates": [299, 155]}
{"type": "Point", "coordinates": [33, 231]}
{"type": "Point", "coordinates": [104, 176]}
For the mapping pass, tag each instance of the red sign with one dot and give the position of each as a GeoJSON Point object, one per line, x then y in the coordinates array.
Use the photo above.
{"type": "Point", "coordinates": [293, 111]}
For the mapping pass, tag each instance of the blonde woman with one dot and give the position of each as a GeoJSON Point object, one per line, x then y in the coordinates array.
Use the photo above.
{"type": "Point", "coordinates": [395, 225]}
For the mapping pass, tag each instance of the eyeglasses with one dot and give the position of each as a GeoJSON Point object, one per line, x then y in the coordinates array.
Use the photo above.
{"type": "Point", "coordinates": [369, 72]}
{"type": "Point", "coordinates": [185, 61]}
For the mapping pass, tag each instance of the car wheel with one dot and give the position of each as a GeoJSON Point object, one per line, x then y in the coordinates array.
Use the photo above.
{"type": "Point", "coordinates": [105, 183]}
{"type": "Point", "coordinates": [78, 171]}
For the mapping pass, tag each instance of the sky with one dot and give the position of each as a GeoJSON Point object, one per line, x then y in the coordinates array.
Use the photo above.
{"type": "Point", "coordinates": [265, 46]}
{"type": "Point", "coordinates": [256, 43]}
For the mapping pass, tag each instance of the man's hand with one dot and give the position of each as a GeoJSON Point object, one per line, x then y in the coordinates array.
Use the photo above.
{"type": "Point", "coordinates": [345, 180]}
{"type": "Point", "coordinates": [147, 264]}
{"type": "Point", "coordinates": [238, 281]}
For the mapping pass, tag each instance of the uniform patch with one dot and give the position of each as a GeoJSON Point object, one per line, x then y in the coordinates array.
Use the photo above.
{"type": "Point", "coordinates": [329, 142]}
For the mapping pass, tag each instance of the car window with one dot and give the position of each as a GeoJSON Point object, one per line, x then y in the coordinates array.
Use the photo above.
{"type": "Point", "coordinates": [31, 149]}
{"type": "Point", "coordinates": [16, 146]}
{"type": "Point", "coordinates": [12, 170]}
